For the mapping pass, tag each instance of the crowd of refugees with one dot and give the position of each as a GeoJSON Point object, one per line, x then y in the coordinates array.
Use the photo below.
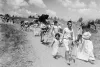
{"type": "Point", "coordinates": [76, 47]}
{"type": "Point", "coordinates": [79, 47]}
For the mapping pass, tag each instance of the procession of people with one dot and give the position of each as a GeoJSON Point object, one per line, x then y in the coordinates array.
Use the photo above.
{"type": "Point", "coordinates": [76, 47]}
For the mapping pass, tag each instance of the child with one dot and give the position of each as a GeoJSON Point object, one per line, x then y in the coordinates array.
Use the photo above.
{"type": "Point", "coordinates": [55, 45]}
{"type": "Point", "coordinates": [67, 39]}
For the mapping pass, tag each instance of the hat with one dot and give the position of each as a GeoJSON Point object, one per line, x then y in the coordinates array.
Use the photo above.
{"type": "Point", "coordinates": [86, 35]}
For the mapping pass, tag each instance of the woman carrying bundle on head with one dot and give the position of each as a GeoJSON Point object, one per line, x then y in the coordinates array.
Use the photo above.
{"type": "Point", "coordinates": [85, 52]}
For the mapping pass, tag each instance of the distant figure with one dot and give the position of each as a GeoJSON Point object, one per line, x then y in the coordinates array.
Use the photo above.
{"type": "Point", "coordinates": [43, 30]}
{"type": "Point", "coordinates": [55, 28]}
{"type": "Point", "coordinates": [79, 34]}
{"type": "Point", "coordinates": [87, 25]}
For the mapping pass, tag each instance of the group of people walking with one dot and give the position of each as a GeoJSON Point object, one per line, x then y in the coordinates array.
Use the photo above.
{"type": "Point", "coordinates": [76, 47]}
{"type": "Point", "coordinates": [79, 47]}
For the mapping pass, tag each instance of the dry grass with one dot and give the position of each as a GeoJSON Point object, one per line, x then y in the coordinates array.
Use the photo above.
{"type": "Point", "coordinates": [12, 47]}
{"type": "Point", "coordinates": [96, 42]}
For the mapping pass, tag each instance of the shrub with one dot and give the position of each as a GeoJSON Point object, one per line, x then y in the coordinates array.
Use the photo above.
{"type": "Point", "coordinates": [12, 43]}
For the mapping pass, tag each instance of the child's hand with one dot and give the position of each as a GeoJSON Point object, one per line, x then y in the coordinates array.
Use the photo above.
{"type": "Point", "coordinates": [52, 43]}
{"type": "Point", "coordinates": [61, 40]}
{"type": "Point", "coordinates": [60, 44]}
{"type": "Point", "coordinates": [70, 38]}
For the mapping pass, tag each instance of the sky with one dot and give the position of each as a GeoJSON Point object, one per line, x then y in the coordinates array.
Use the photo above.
{"type": "Point", "coordinates": [67, 9]}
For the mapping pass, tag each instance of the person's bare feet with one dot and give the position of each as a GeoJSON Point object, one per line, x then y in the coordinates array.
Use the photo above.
{"type": "Point", "coordinates": [69, 64]}
{"type": "Point", "coordinates": [91, 61]}
{"type": "Point", "coordinates": [56, 56]}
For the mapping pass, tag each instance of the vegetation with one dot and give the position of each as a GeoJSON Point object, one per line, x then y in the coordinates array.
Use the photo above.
{"type": "Point", "coordinates": [12, 46]}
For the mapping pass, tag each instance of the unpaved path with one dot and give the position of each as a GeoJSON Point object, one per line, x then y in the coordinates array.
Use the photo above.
{"type": "Point", "coordinates": [45, 58]}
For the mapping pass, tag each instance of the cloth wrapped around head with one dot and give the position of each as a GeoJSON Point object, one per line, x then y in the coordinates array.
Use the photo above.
{"type": "Point", "coordinates": [86, 35]}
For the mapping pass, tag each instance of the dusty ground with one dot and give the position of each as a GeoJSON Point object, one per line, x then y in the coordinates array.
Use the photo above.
{"type": "Point", "coordinates": [46, 60]}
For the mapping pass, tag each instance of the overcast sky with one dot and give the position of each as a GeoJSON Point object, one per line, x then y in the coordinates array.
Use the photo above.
{"type": "Point", "coordinates": [67, 9]}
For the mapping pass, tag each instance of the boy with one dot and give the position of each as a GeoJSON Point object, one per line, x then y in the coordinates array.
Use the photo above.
{"type": "Point", "coordinates": [68, 38]}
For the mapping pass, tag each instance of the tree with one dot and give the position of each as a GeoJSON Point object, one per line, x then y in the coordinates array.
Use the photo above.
{"type": "Point", "coordinates": [7, 15]}
{"type": "Point", "coordinates": [13, 16]}
{"type": "Point", "coordinates": [33, 17]}
{"type": "Point", "coordinates": [80, 19]}
{"type": "Point", "coordinates": [30, 16]}
{"type": "Point", "coordinates": [55, 18]}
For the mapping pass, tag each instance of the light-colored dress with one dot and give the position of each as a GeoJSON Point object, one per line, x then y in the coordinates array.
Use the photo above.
{"type": "Point", "coordinates": [85, 51]}
{"type": "Point", "coordinates": [55, 47]}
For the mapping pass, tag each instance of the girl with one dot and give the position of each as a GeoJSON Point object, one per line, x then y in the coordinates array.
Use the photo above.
{"type": "Point", "coordinates": [55, 45]}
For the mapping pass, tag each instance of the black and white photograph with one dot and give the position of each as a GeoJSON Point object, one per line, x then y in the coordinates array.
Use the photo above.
{"type": "Point", "coordinates": [49, 33]}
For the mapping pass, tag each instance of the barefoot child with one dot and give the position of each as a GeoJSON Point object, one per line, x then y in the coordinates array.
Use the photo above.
{"type": "Point", "coordinates": [55, 45]}
{"type": "Point", "coordinates": [67, 39]}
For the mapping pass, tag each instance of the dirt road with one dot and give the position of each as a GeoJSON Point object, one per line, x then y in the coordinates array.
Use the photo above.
{"type": "Point", "coordinates": [46, 60]}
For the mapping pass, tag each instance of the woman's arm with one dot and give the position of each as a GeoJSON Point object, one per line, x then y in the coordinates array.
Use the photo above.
{"type": "Point", "coordinates": [52, 43]}
{"type": "Point", "coordinates": [62, 36]}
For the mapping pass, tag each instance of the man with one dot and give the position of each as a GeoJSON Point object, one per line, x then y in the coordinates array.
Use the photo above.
{"type": "Point", "coordinates": [55, 28]}
{"type": "Point", "coordinates": [68, 37]}
{"type": "Point", "coordinates": [79, 34]}
{"type": "Point", "coordinates": [43, 26]}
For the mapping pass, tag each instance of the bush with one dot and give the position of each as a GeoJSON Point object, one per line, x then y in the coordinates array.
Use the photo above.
{"type": "Point", "coordinates": [12, 44]}
{"type": "Point", "coordinates": [12, 36]}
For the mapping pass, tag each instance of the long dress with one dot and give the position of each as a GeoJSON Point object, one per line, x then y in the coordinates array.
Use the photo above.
{"type": "Point", "coordinates": [85, 51]}
{"type": "Point", "coordinates": [55, 47]}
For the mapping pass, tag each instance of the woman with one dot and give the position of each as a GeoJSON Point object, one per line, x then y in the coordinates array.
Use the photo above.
{"type": "Point", "coordinates": [85, 50]}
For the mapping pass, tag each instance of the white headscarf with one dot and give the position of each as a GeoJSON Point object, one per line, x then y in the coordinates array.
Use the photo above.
{"type": "Point", "coordinates": [86, 35]}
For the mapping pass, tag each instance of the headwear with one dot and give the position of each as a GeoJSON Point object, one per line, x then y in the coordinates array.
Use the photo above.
{"type": "Point", "coordinates": [86, 35]}
{"type": "Point", "coordinates": [69, 22]}
{"type": "Point", "coordinates": [55, 21]}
